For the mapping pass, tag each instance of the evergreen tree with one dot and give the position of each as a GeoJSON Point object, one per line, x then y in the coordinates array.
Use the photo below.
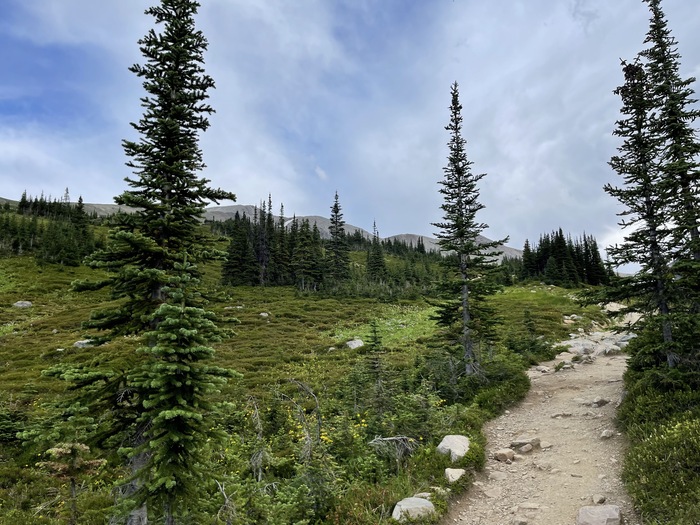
{"type": "Point", "coordinates": [376, 265]}
{"type": "Point", "coordinates": [672, 116]}
{"type": "Point", "coordinates": [152, 256]}
{"type": "Point", "coordinates": [645, 208]}
{"type": "Point", "coordinates": [470, 267]}
{"type": "Point", "coordinates": [338, 251]}
{"type": "Point", "coordinates": [240, 267]}
{"type": "Point", "coordinates": [529, 269]}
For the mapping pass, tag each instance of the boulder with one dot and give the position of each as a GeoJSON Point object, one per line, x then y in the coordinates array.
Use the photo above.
{"type": "Point", "coordinates": [412, 508]}
{"type": "Point", "coordinates": [599, 515]}
{"type": "Point", "coordinates": [355, 343]}
{"type": "Point", "coordinates": [455, 445]}
{"type": "Point", "coordinates": [453, 474]}
{"type": "Point", "coordinates": [23, 304]}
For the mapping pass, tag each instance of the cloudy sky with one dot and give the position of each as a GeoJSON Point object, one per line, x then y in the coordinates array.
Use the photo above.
{"type": "Point", "coordinates": [314, 96]}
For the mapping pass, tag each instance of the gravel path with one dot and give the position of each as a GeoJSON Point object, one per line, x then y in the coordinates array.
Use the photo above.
{"type": "Point", "coordinates": [573, 464]}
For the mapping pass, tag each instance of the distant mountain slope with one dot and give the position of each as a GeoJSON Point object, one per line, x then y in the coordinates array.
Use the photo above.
{"type": "Point", "coordinates": [221, 213]}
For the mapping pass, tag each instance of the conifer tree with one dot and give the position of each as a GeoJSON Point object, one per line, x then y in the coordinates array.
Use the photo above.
{"type": "Point", "coordinates": [671, 120]}
{"type": "Point", "coordinates": [470, 266]}
{"type": "Point", "coordinates": [153, 256]}
{"type": "Point", "coordinates": [645, 210]}
{"type": "Point", "coordinates": [376, 265]}
{"type": "Point", "coordinates": [338, 252]}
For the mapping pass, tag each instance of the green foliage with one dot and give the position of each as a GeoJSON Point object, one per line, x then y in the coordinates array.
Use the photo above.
{"type": "Point", "coordinates": [661, 473]}
{"type": "Point", "coordinates": [563, 261]}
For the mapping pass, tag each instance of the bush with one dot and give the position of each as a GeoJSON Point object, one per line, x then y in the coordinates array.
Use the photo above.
{"type": "Point", "coordinates": [663, 473]}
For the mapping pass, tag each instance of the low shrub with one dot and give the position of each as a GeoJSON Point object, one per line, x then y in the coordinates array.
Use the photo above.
{"type": "Point", "coordinates": [662, 473]}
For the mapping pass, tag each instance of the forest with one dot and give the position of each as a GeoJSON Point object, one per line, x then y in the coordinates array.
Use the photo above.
{"type": "Point", "coordinates": [159, 368]}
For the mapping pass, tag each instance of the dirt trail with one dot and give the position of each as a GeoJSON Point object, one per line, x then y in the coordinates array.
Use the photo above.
{"type": "Point", "coordinates": [548, 485]}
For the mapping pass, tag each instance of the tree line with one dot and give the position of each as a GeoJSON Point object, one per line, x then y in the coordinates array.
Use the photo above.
{"type": "Point", "coordinates": [264, 250]}
{"type": "Point", "coordinates": [55, 231]}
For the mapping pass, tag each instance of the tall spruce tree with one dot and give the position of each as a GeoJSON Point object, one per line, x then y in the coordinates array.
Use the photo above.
{"type": "Point", "coordinates": [469, 264]}
{"type": "Point", "coordinates": [672, 117]}
{"type": "Point", "coordinates": [646, 213]}
{"type": "Point", "coordinates": [338, 257]}
{"type": "Point", "coordinates": [376, 265]}
{"type": "Point", "coordinates": [153, 258]}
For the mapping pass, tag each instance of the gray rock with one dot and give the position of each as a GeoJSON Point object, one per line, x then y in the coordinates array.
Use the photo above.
{"type": "Point", "coordinates": [23, 304]}
{"type": "Point", "coordinates": [453, 474]}
{"type": "Point", "coordinates": [423, 495]}
{"type": "Point", "coordinates": [412, 508]}
{"type": "Point", "coordinates": [264, 314]}
{"type": "Point", "coordinates": [521, 441]}
{"type": "Point", "coordinates": [355, 343]}
{"type": "Point", "coordinates": [607, 434]}
{"type": "Point", "coordinates": [519, 520]}
{"type": "Point", "coordinates": [525, 449]}
{"type": "Point", "coordinates": [599, 515]}
{"type": "Point", "coordinates": [455, 445]}
{"type": "Point", "coordinates": [85, 343]}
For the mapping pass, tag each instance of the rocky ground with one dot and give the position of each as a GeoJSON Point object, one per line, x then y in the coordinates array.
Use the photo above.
{"type": "Point", "coordinates": [568, 418]}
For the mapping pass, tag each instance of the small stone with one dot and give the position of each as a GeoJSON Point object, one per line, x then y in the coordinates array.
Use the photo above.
{"type": "Point", "coordinates": [561, 414]}
{"type": "Point", "coordinates": [600, 401]}
{"type": "Point", "coordinates": [455, 445]}
{"type": "Point", "coordinates": [504, 454]}
{"type": "Point", "coordinates": [54, 331]}
{"type": "Point", "coordinates": [525, 449]}
{"type": "Point", "coordinates": [453, 474]}
{"type": "Point", "coordinates": [525, 440]}
{"type": "Point", "coordinates": [607, 434]}
{"type": "Point", "coordinates": [545, 445]}
{"type": "Point", "coordinates": [412, 508]}
{"type": "Point", "coordinates": [576, 476]}
{"type": "Point", "coordinates": [497, 475]}
{"type": "Point", "coordinates": [355, 343]}
{"type": "Point", "coordinates": [23, 304]}
{"type": "Point", "coordinates": [519, 520]}
{"type": "Point", "coordinates": [264, 314]}
{"type": "Point", "coordinates": [599, 515]}
{"type": "Point", "coordinates": [598, 499]}
{"type": "Point", "coordinates": [85, 343]}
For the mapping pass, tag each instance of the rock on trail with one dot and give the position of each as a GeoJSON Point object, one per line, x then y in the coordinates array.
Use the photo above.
{"type": "Point", "coordinates": [555, 458]}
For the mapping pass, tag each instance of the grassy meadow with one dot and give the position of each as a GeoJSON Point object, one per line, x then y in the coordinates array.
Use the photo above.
{"type": "Point", "coordinates": [280, 335]}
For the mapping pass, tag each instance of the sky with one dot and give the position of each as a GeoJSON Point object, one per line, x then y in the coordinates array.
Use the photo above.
{"type": "Point", "coordinates": [318, 96]}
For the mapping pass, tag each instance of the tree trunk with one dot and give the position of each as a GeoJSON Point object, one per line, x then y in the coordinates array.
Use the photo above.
{"type": "Point", "coordinates": [137, 516]}
{"type": "Point", "coordinates": [467, 343]}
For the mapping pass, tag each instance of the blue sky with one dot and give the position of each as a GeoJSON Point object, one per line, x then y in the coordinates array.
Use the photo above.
{"type": "Point", "coordinates": [315, 96]}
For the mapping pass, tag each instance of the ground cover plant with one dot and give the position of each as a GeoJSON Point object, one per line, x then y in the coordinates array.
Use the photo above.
{"type": "Point", "coordinates": [300, 419]}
